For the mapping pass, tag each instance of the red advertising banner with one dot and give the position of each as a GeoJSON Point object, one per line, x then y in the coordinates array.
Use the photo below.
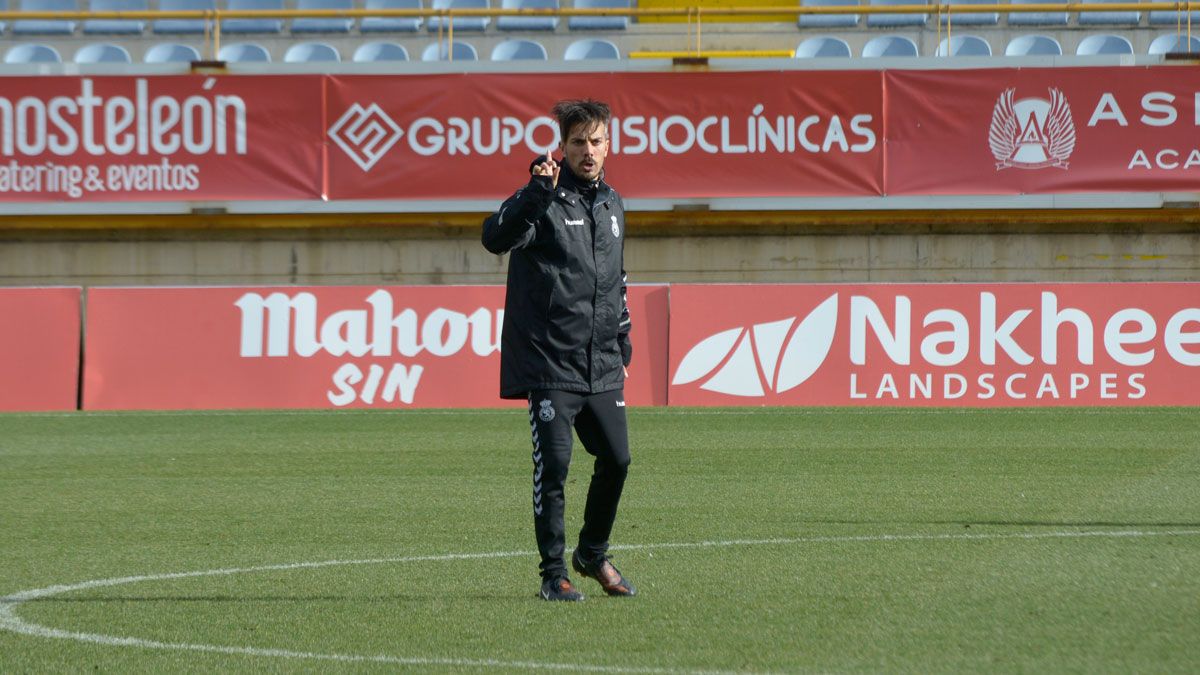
{"type": "Point", "coordinates": [40, 344]}
{"type": "Point", "coordinates": [320, 347]}
{"type": "Point", "coordinates": [786, 133]}
{"type": "Point", "coordinates": [711, 134]}
{"type": "Point", "coordinates": [164, 138]}
{"type": "Point", "coordinates": [1042, 130]}
{"type": "Point", "coordinates": [976, 345]}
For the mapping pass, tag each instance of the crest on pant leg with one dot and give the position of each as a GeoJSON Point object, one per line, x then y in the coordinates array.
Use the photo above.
{"type": "Point", "coordinates": [547, 412]}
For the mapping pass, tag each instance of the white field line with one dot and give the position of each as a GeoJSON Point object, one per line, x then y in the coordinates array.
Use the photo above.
{"type": "Point", "coordinates": [9, 620]}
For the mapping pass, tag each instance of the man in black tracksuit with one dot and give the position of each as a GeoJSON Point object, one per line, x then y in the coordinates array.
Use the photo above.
{"type": "Point", "coordinates": [565, 342]}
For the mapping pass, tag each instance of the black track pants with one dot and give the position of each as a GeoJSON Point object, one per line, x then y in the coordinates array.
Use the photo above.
{"type": "Point", "coordinates": [599, 419]}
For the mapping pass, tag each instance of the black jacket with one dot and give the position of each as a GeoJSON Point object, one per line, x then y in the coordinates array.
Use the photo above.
{"type": "Point", "coordinates": [566, 323]}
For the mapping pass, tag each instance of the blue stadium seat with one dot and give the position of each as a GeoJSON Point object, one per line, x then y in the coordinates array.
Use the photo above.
{"type": "Point", "coordinates": [964, 45]}
{"type": "Point", "coordinates": [391, 24]}
{"type": "Point", "coordinates": [823, 47]}
{"type": "Point", "coordinates": [102, 53]}
{"type": "Point", "coordinates": [32, 53]}
{"type": "Point", "coordinates": [519, 50]}
{"type": "Point", "coordinates": [1175, 44]}
{"type": "Point", "coordinates": [599, 22]}
{"type": "Point", "coordinates": [330, 25]}
{"type": "Point", "coordinates": [473, 23]}
{"type": "Point", "coordinates": [167, 52]}
{"type": "Point", "coordinates": [1097, 18]}
{"type": "Point", "coordinates": [1094, 45]}
{"type": "Point", "coordinates": [309, 52]}
{"type": "Point", "coordinates": [1033, 45]}
{"type": "Point", "coordinates": [45, 26]}
{"type": "Point", "coordinates": [244, 52]}
{"type": "Point", "coordinates": [528, 22]}
{"type": "Point", "coordinates": [463, 51]}
{"type": "Point", "coordinates": [827, 20]}
{"type": "Point", "coordinates": [582, 50]}
{"type": "Point", "coordinates": [380, 51]}
{"type": "Point", "coordinates": [890, 46]}
{"type": "Point", "coordinates": [182, 26]}
{"type": "Point", "coordinates": [970, 18]}
{"type": "Point", "coordinates": [116, 26]}
{"type": "Point", "coordinates": [241, 26]}
{"type": "Point", "coordinates": [1173, 18]}
{"type": "Point", "coordinates": [894, 20]}
{"type": "Point", "coordinates": [1035, 18]}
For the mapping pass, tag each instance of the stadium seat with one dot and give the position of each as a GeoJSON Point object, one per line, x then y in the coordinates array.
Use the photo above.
{"type": "Point", "coordinates": [45, 26]}
{"type": "Point", "coordinates": [182, 26]}
{"type": "Point", "coordinates": [3, 7]}
{"type": "Point", "coordinates": [1173, 18]}
{"type": "Point", "coordinates": [1035, 18]}
{"type": "Point", "coordinates": [473, 23]}
{"type": "Point", "coordinates": [582, 50]}
{"type": "Point", "coordinates": [1098, 18]}
{"type": "Point", "coordinates": [323, 25]}
{"type": "Point", "coordinates": [102, 53]}
{"type": "Point", "coordinates": [116, 26]}
{"type": "Point", "coordinates": [309, 52]}
{"type": "Point", "coordinates": [171, 53]}
{"type": "Point", "coordinates": [380, 51]}
{"type": "Point", "coordinates": [894, 20]}
{"type": "Point", "coordinates": [827, 20]}
{"type": "Point", "coordinates": [970, 18]}
{"type": "Point", "coordinates": [823, 47]}
{"type": "Point", "coordinates": [1033, 45]}
{"type": "Point", "coordinates": [1175, 44]}
{"type": "Point", "coordinates": [1094, 45]}
{"type": "Point", "coordinates": [245, 52]}
{"type": "Point", "coordinates": [599, 22]}
{"type": "Point", "coordinates": [241, 26]}
{"type": "Point", "coordinates": [528, 22]}
{"type": "Point", "coordinates": [391, 24]}
{"type": "Point", "coordinates": [463, 51]}
{"type": "Point", "coordinates": [889, 45]}
{"type": "Point", "coordinates": [32, 53]}
{"type": "Point", "coordinates": [964, 45]}
{"type": "Point", "coordinates": [519, 50]}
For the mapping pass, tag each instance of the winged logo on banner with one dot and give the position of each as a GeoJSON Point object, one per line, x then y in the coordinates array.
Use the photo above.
{"type": "Point", "coordinates": [1002, 137]}
{"type": "Point", "coordinates": [1060, 129]}
{"type": "Point", "coordinates": [1031, 133]}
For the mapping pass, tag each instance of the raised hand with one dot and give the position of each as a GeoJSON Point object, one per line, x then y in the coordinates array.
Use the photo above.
{"type": "Point", "coordinates": [548, 167]}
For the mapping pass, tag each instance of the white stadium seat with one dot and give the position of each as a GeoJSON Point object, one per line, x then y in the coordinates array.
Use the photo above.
{"type": "Point", "coordinates": [380, 51]}
{"type": "Point", "coordinates": [1033, 45]}
{"type": "Point", "coordinates": [519, 50]}
{"type": "Point", "coordinates": [822, 47]}
{"type": "Point", "coordinates": [581, 50]}
{"type": "Point", "coordinates": [245, 52]}
{"type": "Point", "coordinates": [102, 53]}
{"type": "Point", "coordinates": [171, 53]}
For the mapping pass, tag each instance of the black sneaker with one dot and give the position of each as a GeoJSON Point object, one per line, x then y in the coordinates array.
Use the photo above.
{"type": "Point", "coordinates": [606, 573]}
{"type": "Point", "coordinates": [560, 589]}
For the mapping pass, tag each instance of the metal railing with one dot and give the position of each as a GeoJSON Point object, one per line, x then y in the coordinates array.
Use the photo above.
{"type": "Point", "coordinates": [693, 16]}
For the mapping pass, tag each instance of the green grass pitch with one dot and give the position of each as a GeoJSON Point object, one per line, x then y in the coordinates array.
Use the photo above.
{"type": "Point", "coordinates": [783, 540]}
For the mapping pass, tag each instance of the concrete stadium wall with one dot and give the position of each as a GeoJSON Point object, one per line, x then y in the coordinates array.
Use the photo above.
{"type": "Point", "coordinates": [713, 251]}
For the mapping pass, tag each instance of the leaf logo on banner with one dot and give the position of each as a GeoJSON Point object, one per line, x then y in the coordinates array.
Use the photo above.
{"type": "Point", "coordinates": [754, 360]}
{"type": "Point", "coordinates": [1031, 133]}
{"type": "Point", "coordinates": [365, 134]}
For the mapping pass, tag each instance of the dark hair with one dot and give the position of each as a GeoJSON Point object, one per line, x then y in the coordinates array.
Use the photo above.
{"type": "Point", "coordinates": [580, 111]}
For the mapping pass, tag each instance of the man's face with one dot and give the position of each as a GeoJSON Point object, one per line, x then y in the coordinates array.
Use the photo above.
{"type": "Point", "coordinates": [585, 148]}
